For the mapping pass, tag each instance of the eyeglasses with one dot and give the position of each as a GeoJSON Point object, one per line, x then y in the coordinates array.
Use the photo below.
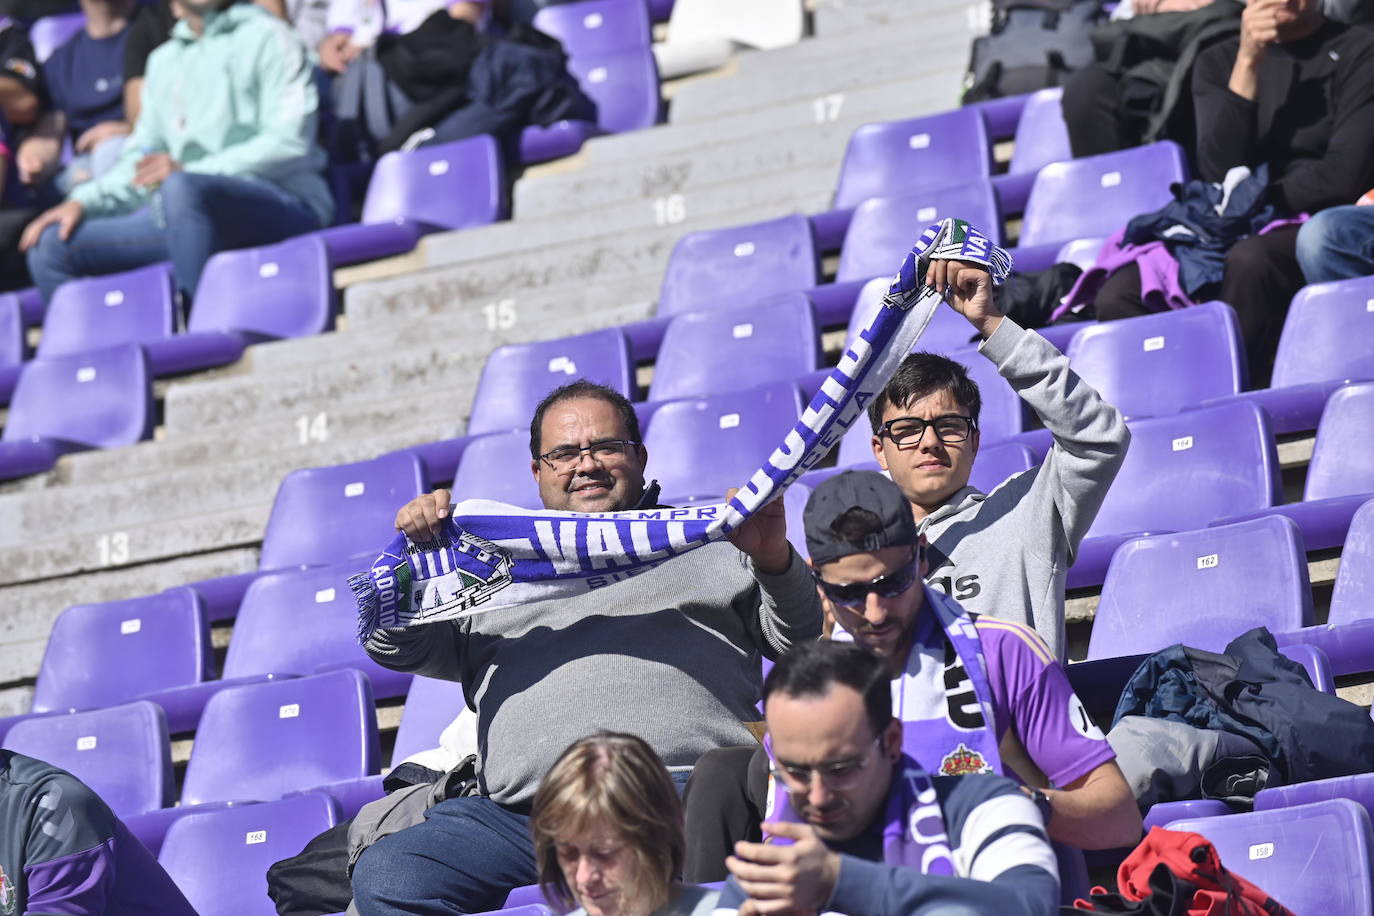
{"type": "Point", "coordinates": [949, 428]}
{"type": "Point", "coordinates": [888, 586]}
{"type": "Point", "coordinates": [842, 774]}
{"type": "Point", "coordinates": [607, 451]}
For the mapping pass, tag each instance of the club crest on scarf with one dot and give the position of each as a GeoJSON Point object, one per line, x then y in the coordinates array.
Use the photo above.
{"type": "Point", "coordinates": [963, 761]}
{"type": "Point", "coordinates": [506, 554]}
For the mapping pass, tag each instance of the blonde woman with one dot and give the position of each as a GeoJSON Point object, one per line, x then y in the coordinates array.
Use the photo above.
{"type": "Point", "coordinates": [608, 837]}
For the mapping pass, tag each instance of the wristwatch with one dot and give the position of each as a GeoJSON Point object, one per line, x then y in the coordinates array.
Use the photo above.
{"type": "Point", "coordinates": [1042, 801]}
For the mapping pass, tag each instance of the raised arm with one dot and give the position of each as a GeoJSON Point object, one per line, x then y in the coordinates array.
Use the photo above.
{"type": "Point", "coordinates": [789, 610]}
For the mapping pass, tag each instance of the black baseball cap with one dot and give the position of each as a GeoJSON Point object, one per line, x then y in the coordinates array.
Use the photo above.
{"type": "Point", "coordinates": [891, 525]}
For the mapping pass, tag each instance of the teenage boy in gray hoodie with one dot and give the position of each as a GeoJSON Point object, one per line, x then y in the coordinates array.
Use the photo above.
{"type": "Point", "coordinates": [1005, 553]}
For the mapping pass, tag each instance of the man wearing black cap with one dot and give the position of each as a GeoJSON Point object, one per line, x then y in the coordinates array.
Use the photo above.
{"type": "Point", "coordinates": [976, 694]}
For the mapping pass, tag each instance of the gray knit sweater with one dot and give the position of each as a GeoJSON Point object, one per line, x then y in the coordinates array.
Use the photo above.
{"type": "Point", "coordinates": [671, 655]}
{"type": "Point", "coordinates": [1006, 553]}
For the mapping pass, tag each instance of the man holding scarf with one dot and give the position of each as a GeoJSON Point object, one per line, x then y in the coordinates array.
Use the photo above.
{"type": "Point", "coordinates": [861, 828]}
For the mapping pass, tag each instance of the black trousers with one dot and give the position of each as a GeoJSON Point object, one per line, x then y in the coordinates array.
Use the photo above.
{"type": "Point", "coordinates": [724, 803]}
{"type": "Point", "coordinates": [1259, 281]}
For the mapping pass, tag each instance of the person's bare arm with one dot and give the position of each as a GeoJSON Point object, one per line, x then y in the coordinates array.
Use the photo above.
{"type": "Point", "coordinates": [18, 102]}
{"type": "Point", "coordinates": [1259, 28]}
{"type": "Point", "coordinates": [1095, 811]}
{"type": "Point", "coordinates": [41, 151]}
{"type": "Point", "coordinates": [467, 10]}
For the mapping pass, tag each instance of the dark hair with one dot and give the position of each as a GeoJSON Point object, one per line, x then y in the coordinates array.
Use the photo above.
{"type": "Point", "coordinates": [855, 524]}
{"type": "Point", "coordinates": [921, 375]}
{"type": "Point", "coordinates": [809, 669]}
{"type": "Point", "coordinates": [582, 388]}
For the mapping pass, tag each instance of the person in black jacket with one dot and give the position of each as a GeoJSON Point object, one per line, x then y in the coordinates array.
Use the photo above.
{"type": "Point", "coordinates": [1296, 91]}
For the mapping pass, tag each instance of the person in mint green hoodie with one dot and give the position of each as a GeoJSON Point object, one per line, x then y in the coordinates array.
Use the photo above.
{"type": "Point", "coordinates": [223, 156]}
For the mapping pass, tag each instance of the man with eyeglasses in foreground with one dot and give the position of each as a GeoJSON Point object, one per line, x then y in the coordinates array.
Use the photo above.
{"type": "Point", "coordinates": [861, 829]}
{"type": "Point", "coordinates": [976, 694]}
{"type": "Point", "coordinates": [1005, 553]}
{"type": "Point", "coordinates": [670, 655]}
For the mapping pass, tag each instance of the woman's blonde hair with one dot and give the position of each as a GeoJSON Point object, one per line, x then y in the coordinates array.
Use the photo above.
{"type": "Point", "coordinates": [616, 781]}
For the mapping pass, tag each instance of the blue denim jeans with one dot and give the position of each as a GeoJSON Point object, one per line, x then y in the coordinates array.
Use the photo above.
{"type": "Point", "coordinates": [464, 857]}
{"type": "Point", "coordinates": [192, 217]}
{"type": "Point", "coordinates": [1337, 244]}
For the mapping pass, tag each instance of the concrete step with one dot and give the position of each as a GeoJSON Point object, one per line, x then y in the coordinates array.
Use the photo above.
{"type": "Point", "coordinates": [626, 269]}
{"type": "Point", "coordinates": [881, 102]}
{"type": "Point", "coordinates": [30, 608]}
{"type": "Point", "coordinates": [650, 181]}
{"type": "Point", "coordinates": [842, 18]}
{"type": "Point", "coordinates": [941, 62]}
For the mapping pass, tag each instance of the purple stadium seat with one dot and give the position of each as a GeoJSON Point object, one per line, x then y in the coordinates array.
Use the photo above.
{"type": "Point", "coordinates": [517, 376]}
{"type": "Point", "coordinates": [359, 502]}
{"type": "Point", "coordinates": [528, 909]}
{"type": "Point", "coordinates": [881, 232]}
{"type": "Point", "coordinates": [1162, 363]}
{"type": "Point", "coordinates": [730, 268]}
{"type": "Point", "coordinates": [446, 186]}
{"type": "Point", "coordinates": [716, 351]}
{"type": "Point", "coordinates": [304, 621]}
{"type": "Point", "coordinates": [31, 304]}
{"type": "Point", "coordinates": [1246, 575]}
{"type": "Point", "coordinates": [528, 895]}
{"type": "Point", "coordinates": [995, 463]}
{"type": "Point", "coordinates": [496, 466]}
{"type": "Point", "coordinates": [12, 344]}
{"type": "Point", "coordinates": [98, 399]}
{"type": "Point", "coordinates": [660, 10]}
{"type": "Point", "coordinates": [1081, 252]}
{"type": "Point", "coordinates": [1164, 813]}
{"type": "Point", "coordinates": [1347, 637]}
{"type": "Point", "coordinates": [1002, 414]}
{"type": "Point", "coordinates": [291, 622]}
{"type": "Point", "coordinates": [52, 32]}
{"type": "Point", "coordinates": [1094, 196]}
{"type": "Point", "coordinates": [136, 306]}
{"type": "Point", "coordinates": [1042, 137]}
{"type": "Point", "coordinates": [1182, 472]}
{"type": "Point", "coordinates": [1311, 858]}
{"type": "Point", "coordinates": [701, 447]}
{"type": "Point", "coordinates": [431, 706]}
{"type": "Point", "coordinates": [1358, 788]}
{"type": "Point", "coordinates": [219, 859]}
{"type": "Point", "coordinates": [251, 295]}
{"type": "Point", "coordinates": [331, 514]}
{"type": "Point", "coordinates": [1340, 476]}
{"type": "Point", "coordinates": [897, 157]}
{"type": "Point", "coordinates": [102, 654]}
{"type": "Point", "coordinates": [121, 752]}
{"type": "Point", "coordinates": [624, 86]}
{"type": "Point", "coordinates": [260, 741]}
{"type": "Point", "coordinates": [596, 26]}
{"type": "Point", "coordinates": [1323, 345]}
{"type": "Point", "coordinates": [948, 330]}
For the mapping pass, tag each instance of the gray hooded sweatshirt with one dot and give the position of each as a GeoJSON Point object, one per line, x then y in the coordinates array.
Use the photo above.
{"type": "Point", "coordinates": [1007, 553]}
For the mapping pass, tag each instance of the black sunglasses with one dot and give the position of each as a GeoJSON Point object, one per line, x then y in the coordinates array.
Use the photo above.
{"type": "Point", "coordinates": [888, 586]}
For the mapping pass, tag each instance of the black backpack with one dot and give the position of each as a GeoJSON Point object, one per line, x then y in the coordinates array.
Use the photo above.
{"type": "Point", "coordinates": [1033, 44]}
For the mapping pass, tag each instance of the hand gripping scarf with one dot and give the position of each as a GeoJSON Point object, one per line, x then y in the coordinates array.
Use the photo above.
{"type": "Point", "coordinates": [492, 555]}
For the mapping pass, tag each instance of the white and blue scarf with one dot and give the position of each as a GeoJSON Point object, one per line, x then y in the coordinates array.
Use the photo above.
{"type": "Point", "coordinates": [493, 555]}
